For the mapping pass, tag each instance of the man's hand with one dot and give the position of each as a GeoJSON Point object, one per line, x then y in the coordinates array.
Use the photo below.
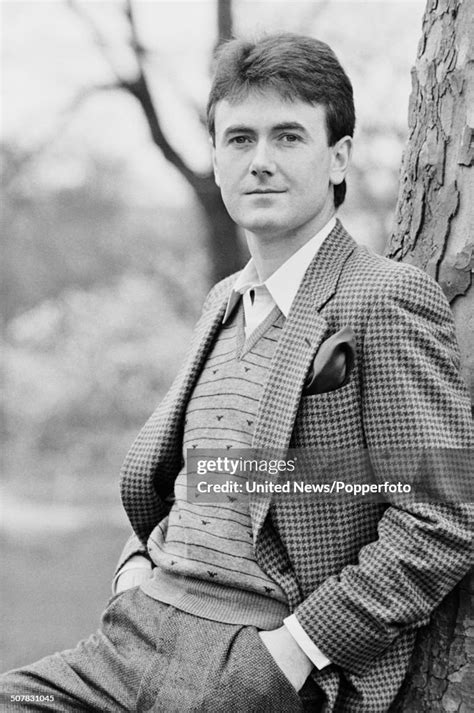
{"type": "Point", "coordinates": [289, 657]}
{"type": "Point", "coordinates": [133, 573]}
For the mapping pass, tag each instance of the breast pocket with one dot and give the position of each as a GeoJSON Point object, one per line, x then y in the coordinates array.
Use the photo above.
{"type": "Point", "coordinates": [330, 420]}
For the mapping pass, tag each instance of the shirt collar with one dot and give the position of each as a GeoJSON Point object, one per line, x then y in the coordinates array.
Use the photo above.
{"type": "Point", "coordinates": [284, 283]}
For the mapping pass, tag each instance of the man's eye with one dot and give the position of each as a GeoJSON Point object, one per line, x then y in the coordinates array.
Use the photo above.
{"type": "Point", "coordinates": [290, 138]}
{"type": "Point", "coordinates": [239, 140]}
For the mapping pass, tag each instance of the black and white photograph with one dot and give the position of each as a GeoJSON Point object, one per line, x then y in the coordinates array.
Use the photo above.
{"type": "Point", "coordinates": [237, 356]}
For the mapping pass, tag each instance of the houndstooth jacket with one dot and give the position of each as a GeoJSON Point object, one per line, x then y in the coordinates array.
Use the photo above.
{"type": "Point", "coordinates": [361, 577]}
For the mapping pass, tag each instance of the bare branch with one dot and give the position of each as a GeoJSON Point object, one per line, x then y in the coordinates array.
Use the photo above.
{"type": "Point", "coordinates": [139, 88]}
{"type": "Point", "coordinates": [135, 41]}
{"type": "Point", "coordinates": [97, 36]}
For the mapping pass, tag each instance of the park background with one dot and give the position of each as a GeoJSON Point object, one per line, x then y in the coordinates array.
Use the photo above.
{"type": "Point", "coordinates": [105, 259]}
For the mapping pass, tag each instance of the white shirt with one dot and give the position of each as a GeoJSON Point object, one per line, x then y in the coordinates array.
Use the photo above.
{"type": "Point", "coordinates": [259, 298]}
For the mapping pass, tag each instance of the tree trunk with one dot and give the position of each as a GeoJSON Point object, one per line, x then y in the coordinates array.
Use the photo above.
{"type": "Point", "coordinates": [224, 20]}
{"type": "Point", "coordinates": [434, 230]}
{"type": "Point", "coordinates": [225, 247]}
{"type": "Point", "coordinates": [224, 244]}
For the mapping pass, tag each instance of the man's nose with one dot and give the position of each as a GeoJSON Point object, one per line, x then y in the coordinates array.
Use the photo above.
{"type": "Point", "coordinates": [262, 159]}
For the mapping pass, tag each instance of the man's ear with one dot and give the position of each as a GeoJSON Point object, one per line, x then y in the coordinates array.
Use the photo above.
{"type": "Point", "coordinates": [214, 165]}
{"type": "Point", "coordinates": [340, 159]}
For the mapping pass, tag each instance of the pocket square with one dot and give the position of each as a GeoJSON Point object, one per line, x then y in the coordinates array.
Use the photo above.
{"type": "Point", "coordinates": [332, 364]}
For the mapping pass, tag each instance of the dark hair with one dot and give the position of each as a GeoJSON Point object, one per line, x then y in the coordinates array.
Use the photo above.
{"type": "Point", "coordinates": [295, 66]}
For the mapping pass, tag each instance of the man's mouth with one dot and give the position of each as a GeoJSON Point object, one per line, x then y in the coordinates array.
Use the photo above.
{"type": "Point", "coordinates": [262, 191]}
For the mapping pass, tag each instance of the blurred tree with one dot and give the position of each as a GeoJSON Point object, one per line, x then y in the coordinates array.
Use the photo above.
{"type": "Point", "coordinates": [226, 251]}
{"type": "Point", "coordinates": [78, 236]}
{"type": "Point", "coordinates": [434, 228]}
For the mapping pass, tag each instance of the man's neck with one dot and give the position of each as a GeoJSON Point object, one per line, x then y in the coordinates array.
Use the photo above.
{"type": "Point", "coordinates": [269, 252]}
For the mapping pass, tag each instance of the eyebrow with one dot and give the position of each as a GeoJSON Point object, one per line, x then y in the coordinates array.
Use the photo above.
{"type": "Point", "coordinates": [284, 126]}
{"type": "Point", "coordinates": [289, 126]}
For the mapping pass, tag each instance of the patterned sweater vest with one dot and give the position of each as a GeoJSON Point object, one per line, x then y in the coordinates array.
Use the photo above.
{"type": "Point", "coordinates": [204, 555]}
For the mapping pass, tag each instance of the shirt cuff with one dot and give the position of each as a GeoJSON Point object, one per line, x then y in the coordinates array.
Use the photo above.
{"type": "Point", "coordinates": [315, 655]}
{"type": "Point", "coordinates": [135, 562]}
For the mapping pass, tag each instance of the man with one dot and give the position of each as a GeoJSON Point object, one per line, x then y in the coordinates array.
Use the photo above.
{"type": "Point", "coordinates": [266, 603]}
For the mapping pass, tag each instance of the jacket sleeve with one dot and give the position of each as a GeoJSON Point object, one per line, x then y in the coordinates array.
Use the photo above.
{"type": "Point", "coordinates": [413, 401]}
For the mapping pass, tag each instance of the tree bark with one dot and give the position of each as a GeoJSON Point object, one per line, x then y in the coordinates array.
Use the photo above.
{"type": "Point", "coordinates": [435, 221]}
{"type": "Point", "coordinates": [434, 230]}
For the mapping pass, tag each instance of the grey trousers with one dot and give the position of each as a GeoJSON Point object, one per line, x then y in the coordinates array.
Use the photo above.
{"type": "Point", "coordinates": [149, 656]}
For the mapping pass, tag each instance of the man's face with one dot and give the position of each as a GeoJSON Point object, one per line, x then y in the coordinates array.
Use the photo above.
{"type": "Point", "coordinates": [274, 166]}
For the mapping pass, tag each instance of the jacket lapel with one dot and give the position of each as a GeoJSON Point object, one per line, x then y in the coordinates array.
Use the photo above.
{"type": "Point", "coordinates": [301, 338]}
{"type": "Point", "coordinates": [203, 338]}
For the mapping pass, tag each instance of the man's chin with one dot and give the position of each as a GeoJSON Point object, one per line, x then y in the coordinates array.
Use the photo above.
{"type": "Point", "coordinates": [264, 227]}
